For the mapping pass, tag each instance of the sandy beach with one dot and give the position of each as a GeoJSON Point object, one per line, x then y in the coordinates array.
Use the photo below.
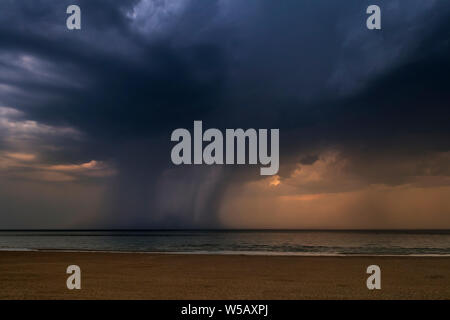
{"type": "Point", "coordinates": [42, 275]}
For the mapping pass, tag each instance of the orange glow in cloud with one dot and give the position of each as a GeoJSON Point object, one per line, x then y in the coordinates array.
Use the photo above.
{"type": "Point", "coordinates": [303, 197]}
{"type": "Point", "coordinates": [327, 194]}
{"type": "Point", "coordinates": [50, 173]}
{"type": "Point", "coordinates": [21, 156]}
{"type": "Point", "coordinates": [274, 181]}
{"type": "Point", "coordinates": [75, 167]}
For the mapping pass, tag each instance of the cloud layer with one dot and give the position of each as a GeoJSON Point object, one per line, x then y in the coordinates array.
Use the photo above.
{"type": "Point", "coordinates": [86, 116]}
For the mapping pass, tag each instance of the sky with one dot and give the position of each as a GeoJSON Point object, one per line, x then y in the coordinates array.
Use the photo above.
{"type": "Point", "coordinates": [86, 115]}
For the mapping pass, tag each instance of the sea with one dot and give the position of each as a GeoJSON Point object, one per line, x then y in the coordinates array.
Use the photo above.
{"type": "Point", "coordinates": [245, 242]}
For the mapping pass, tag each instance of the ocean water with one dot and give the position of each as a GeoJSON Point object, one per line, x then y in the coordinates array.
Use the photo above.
{"type": "Point", "coordinates": [235, 242]}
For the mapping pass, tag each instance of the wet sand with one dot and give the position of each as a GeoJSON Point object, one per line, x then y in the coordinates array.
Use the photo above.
{"type": "Point", "coordinates": [42, 275]}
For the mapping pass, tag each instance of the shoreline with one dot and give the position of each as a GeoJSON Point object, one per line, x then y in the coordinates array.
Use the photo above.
{"type": "Point", "coordinates": [230, 253]}
{"type": "Point", "coordinates": [42, 275]}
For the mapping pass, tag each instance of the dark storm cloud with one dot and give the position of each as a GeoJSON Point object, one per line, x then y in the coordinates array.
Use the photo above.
{"type": "Point", "coordinates": [139, 69]}
{"type": "Point", "coordinates": [125, 92]}
{"type": "Point", "coordinates": [399, 114]}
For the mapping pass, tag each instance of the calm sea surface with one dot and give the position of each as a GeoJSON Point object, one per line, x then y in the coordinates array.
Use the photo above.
{"type": "Point", "coordinates": [242, 242]}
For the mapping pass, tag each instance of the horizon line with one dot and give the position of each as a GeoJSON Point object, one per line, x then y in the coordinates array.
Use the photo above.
{"type": "Point", "coordinates": [225, 230]}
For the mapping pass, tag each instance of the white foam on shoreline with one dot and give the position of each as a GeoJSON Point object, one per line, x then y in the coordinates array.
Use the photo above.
{"type": "Point", "coordinates": [234, 253]}
{"type": "Point", "coordinates": [17, 249]}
